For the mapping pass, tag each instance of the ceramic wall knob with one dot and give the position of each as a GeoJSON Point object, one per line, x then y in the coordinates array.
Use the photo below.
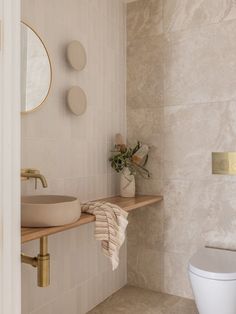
{"type": "Point", "coordinates": [76, 55]}
{"type": "Point", "coordinates": [77, 100]}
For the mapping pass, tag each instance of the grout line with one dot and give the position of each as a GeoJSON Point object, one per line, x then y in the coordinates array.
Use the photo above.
{"type": "Point", "coordinates": [226, 101]}
{"type": "Point", "coordinates": [199, 26]}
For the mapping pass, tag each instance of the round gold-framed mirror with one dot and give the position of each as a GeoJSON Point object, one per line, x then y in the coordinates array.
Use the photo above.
{"type": "Point", "coordinates": [36, 70]}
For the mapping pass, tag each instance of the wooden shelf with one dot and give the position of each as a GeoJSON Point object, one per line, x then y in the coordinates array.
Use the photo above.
{"type": "Point", "coordinates": [128, 204]}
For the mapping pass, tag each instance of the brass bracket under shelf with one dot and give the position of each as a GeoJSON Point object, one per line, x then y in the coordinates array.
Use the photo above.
{"type": "Point", "coordinates": [41, 262]}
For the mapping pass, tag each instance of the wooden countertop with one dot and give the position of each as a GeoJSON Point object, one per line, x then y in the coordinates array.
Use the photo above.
{"type": "Point", "coordinates": [128, 204]}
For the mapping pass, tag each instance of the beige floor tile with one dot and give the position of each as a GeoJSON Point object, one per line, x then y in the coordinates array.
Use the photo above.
{"type": "Point", "coordinates": [132, 300]}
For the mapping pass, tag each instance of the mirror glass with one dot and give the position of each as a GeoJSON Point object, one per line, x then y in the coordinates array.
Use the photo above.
{"type": "Point", "coordinates": [36, 70]}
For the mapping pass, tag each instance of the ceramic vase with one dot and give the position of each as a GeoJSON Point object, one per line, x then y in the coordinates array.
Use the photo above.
{"type": "Point", "coordinates": [127, 183]}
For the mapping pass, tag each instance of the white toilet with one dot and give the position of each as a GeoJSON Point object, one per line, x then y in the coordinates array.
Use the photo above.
{"type": "Point", "coordinates": [213, 277]}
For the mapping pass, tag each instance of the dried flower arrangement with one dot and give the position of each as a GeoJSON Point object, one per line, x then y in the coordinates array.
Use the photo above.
{"type": "Point", "coordinates": [133, 158]}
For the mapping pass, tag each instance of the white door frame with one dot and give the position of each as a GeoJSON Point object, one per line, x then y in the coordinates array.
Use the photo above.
{"type": "Point", "coordinates": [10, 277]}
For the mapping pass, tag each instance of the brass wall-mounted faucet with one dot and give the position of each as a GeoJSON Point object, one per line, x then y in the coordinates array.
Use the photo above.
{"type": "Point", "coordinates": [41, 261]}
{"type": "Point", "coordinates": [35, 174]}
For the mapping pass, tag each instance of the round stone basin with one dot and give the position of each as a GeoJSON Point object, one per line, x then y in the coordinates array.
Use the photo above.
{"type": "Point", "coordinates": [49, 210]}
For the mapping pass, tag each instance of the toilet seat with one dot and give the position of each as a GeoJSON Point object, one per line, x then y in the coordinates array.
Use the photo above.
{"type": "Point", "coordinates": [214, 264]}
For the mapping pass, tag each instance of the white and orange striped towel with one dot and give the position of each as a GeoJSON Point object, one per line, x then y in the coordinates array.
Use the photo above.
{"type": "Point", "coordinates": [110, 225]}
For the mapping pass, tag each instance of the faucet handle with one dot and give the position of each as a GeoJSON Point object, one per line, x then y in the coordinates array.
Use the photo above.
{"type": "Point", "coordinates": [29, 171]}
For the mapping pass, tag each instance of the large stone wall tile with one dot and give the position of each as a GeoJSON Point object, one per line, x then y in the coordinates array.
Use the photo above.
{"type": "Point", "coordinates": [150, 186]}
{"type": "Point", "coordinates": [145, 268]}
{"type": "Point", "coordinates": [200, 65]}
{"type": "Point", "coordinates": [176, 279]}
{"type": "Point", "coordinates": [146, 126]}
{"type": "Point", "coordinates": [188, 213]}
{"type": "Point", "coordinates": [145, 228]}
{"type": "Point", "coordinates": [183, 14]}
{"type": "Point", "coordinates": [192, 133]}
{"type": "Point", "coordinates": [144, 18]}
{"type": "Point", "coordinates": [145, 70]}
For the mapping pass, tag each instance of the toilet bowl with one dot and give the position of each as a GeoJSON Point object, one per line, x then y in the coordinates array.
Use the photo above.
{"type": "Point", "coordinates": [213, 278]}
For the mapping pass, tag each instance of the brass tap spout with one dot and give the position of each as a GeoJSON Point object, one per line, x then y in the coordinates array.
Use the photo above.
{"type": "Point", "coordinates": [33, 173]}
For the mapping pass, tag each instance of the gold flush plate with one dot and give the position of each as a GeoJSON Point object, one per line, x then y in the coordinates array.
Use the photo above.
{"type": "Point", "coordinates": [224, 163]}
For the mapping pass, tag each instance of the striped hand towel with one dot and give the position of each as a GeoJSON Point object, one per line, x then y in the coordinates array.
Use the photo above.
{"type": "Point", "coordinates": [110, 225]}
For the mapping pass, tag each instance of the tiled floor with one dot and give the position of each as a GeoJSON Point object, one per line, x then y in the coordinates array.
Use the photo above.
{"type": "Point", "coordinates": [131, 300]}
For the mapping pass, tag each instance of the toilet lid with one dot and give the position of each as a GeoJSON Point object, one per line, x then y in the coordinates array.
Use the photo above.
{"type": "Point", "coordinates": [214, 264]}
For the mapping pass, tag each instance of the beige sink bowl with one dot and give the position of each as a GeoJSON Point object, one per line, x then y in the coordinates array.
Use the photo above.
{"type": "Point", "coordinates": [49, 210]}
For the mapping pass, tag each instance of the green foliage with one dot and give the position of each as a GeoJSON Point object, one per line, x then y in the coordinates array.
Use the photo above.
{"type": "Point", "coordinates": [122, 158]}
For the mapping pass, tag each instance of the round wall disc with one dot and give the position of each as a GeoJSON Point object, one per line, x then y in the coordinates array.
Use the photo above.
{"type": "Point", "coordinates": [76, 55]}
{"type": "Point", "coordinates": [76, 100]}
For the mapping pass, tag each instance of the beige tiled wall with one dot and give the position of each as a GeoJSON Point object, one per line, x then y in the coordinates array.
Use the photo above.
{"type": "Point", "coordinates": [72, 151]}
{"type": "Point", "coordinates": [181, 100]}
